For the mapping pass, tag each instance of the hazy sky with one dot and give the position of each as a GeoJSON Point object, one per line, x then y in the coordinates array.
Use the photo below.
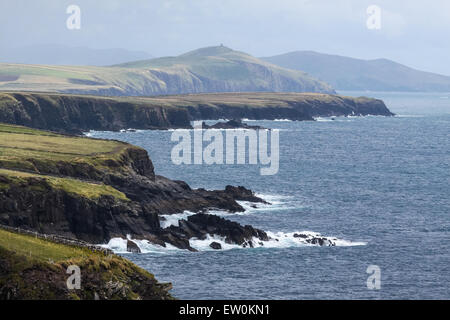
{"type": "Point", "coordinates": [413, 32]}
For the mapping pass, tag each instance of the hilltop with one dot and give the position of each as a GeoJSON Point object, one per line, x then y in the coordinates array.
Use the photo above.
{"type": "Point", "coordinates": [214, 69]}
{"type": "Point", "coordinates": [345, 73]}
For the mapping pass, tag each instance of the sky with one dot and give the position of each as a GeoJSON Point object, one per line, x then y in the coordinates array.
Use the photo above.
{"type": "Point", "coordinates": [412, 32]}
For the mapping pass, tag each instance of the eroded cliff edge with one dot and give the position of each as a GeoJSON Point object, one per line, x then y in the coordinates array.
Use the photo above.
{"type": "Point", "coordinates": [95, 190]}
{"type": "Point", "coordinates": [77, 113]}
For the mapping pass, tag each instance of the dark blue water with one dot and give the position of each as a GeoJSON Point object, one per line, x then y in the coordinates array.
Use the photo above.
{"type": "Point", "coordinates": [382, 181]}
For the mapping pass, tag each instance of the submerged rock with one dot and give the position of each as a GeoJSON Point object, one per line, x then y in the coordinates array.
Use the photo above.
{"type": "Point", "coordinates": [316, 240]}
{"type": "Point", "coordinates": [231, 124]}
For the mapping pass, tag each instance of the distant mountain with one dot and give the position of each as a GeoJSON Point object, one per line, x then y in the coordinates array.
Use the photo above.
{"type": "Point", "coordinates": [55, 54]}
{"type": "Point", "coordinates": [221, 69]}
{"type": "Point", "coordinates": [355, 74]}
{"type": "Point", "coordinates": [213, 69]}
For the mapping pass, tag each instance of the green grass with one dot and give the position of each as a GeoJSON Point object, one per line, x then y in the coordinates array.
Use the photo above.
{"type": "Point", "coordinates": [28, 153]}
{"type": "Point", "coordinates": [26, 149]}
{"type": "Point", "coordinates": [36, 269]}
{"type": "Point", "coordinates": [233, 69]}
{"type": "Point", "coordinates": [74, 186]}
{"type": "Point", "coordinates": [39, 249]}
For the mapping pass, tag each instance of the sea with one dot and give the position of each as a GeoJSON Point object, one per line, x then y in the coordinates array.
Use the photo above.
{"type": "Point", "coordinates": [378, 185]}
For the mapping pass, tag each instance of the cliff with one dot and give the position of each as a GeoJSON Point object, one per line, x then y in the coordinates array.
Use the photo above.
{"type": "Point", "coordinates": [77, 113]}
{"type": "Point", "coordinates": [95, 190]}
{"type": "Point", "coordinates": [32, 268]}
{"type": "Point", "coordinates": [215, 69]}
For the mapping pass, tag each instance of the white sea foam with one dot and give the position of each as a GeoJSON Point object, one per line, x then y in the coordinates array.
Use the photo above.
{"type": "Point", "coordinates": [281, 240]}
{"type": "Point", "coordinates": [277, 239]}
{"type": "Point", "coordinates": [119, 245]}
{"type": "Point", "coordinates": [409, 116]}
{"type": "Point", "coordinates": [276, 120]}
{"type": "Point", "coordinates": [174, 219]}
{"type": "Point", "coordinates": [336, 118]}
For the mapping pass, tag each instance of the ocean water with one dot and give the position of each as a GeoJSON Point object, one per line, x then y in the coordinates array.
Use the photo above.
{"type": "Point", "coordinates": [378, 184]}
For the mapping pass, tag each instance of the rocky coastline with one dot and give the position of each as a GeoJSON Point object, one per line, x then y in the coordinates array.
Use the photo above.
{"type": "Point", "coordinates": [75, 114]}
{"type": "Point", "coordinates": [130, 203]}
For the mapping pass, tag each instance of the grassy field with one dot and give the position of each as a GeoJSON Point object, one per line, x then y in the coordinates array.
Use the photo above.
{"type": "Point", "coordinates": [23, 148]}
{"type": "Point", "coordinates": [74, 186]}
{"type": "Point", "coordinates": [230, 99]}
{"type": "Point", "coordinates": [39, 249]}
{"type": "Point", "coordinates": [36, 269]}
{"type": "Point", "coordinates": [25, 153]}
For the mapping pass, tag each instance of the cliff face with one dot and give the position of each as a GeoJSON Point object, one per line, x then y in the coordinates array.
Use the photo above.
{"type": "Point", "coordinates": [74, 114]}
{"type": "Point", "coordinates": [95, 190]}
{"type": "Point", "coordinates": [216, 69]}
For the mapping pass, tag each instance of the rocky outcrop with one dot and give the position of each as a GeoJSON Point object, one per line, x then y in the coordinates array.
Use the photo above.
{"type": "Point", "coordinates": [34, 204]}
{"type": "Point", "coordinates": [231, 124]}
{"type": "Point", "coordinates": [215, 245]}
{"type": "Point", "coordinates": [75, 114]}
{"type": "Point", "coordinates": [132, 247]}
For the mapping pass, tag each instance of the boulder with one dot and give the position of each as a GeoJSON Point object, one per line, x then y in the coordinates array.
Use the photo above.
{"type": "Point", "coordinates": [133, 247]}
{"type": "Point", "coordinates": [215, 245]}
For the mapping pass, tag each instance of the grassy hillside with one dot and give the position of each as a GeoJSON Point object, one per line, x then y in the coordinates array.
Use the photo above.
{"type": "Point", "coordinates": [71, 186]}
{"type": "Point", "coordinates": [345, 73]}
{"type": "Point", "coordinates": [40, 152]}
{"type": "Point", "coordinates": [33, 268]}
{"type": "Point", "coordinates": [215, 69]}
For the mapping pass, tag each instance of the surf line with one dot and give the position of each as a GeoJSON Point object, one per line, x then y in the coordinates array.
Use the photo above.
{"type": "Point", "coordinates": [235, 147]}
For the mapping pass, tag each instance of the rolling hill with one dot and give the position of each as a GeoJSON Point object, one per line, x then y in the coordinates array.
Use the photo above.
{"type": "Point", "coordinates": [345, 73]}
{"type": "Point", "coordinates": [213, 69]}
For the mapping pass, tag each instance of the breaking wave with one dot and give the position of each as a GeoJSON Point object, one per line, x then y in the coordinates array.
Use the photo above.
{"type": "Point", "coordinates": [277, 239]}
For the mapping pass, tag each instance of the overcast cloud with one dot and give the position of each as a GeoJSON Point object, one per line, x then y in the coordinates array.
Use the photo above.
{"type": "Point", "coordinates": [413, 32]}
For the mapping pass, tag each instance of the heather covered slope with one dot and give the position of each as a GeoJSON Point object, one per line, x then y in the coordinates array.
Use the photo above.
{"type": "Point", "coordinates": [76, 113]}
{"type": "Point", "coordinates": [345, 73]}
{"type": "Point", "coordinates": [215, 69]}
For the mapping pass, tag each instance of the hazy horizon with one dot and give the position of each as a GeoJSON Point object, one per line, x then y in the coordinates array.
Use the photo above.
{"type": "Point", "coordinates": [411, 32]}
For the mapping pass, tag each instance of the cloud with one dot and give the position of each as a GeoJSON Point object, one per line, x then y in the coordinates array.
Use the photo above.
{"type": "Point", "coordinates": [260, 27]}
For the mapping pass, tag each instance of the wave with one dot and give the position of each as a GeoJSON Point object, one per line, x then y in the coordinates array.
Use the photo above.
{"type": "Point", "coordinates": [119, 245]}
{"type": "Point", "coordinates": [409, 116]}
{"type": "Point", "coordinates": [276, 203]}
{"type": "Point", "coordinates": [276, 120]}
{"type": "Point", "coordinates": [278, 240]}
{"type": "Point", "coordinates": [174, 219]}
{"type": "Point", "coordinates": [336, 118]}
